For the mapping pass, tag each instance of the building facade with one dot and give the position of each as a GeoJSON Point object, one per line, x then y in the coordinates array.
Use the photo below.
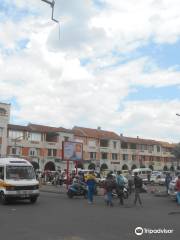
{"type": "Point", "coordinates": [42, 145]}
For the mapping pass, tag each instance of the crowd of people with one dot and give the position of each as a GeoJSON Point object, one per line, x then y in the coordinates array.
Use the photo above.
{"type": "Point", "coordinates": [114, 184]}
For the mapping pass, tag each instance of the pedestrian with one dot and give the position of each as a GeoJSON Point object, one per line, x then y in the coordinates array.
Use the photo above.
{"type": "Point", "coordinates": [149, 177]}
{"type": "Point", "coordinates": [138, 186]}
{"type": "Point", "coordinates": [109, 185]}
{"type": "Point", "coordinates": [130, 181]}
{"type": "Point", "coordinates": [178, 190]}
{"type": "Point", "coordinates": [91, 182]}
{"type": "Point", "coordinates": [120, 186]}
{"type": "Point", "coordinates": [168, 179]}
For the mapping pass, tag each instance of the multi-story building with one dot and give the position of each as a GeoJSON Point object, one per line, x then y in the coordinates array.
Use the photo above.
{"type": "Point", "coordinates": [42, 145]}
{"type": "Point", "coordinates": [136, 152]}
{"type": "Point", "coordinates": [99, 146]}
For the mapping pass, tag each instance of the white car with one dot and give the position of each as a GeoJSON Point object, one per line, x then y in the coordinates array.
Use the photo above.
{"type": "Point", "coordinates": [158, 179]}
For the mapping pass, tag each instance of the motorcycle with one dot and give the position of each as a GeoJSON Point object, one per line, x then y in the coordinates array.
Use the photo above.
{"type": "Point", "coordinates": [77, 189]}
{"type": "Point", "coordinates": [125, 193]}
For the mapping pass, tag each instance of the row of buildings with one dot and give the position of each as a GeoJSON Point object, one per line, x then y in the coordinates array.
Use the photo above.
{"type": "Point", "coordinates": [43, 146]}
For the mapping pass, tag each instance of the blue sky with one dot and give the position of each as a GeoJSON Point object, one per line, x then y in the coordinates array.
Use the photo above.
{"type": "Point", "coordinates": [114, 64]}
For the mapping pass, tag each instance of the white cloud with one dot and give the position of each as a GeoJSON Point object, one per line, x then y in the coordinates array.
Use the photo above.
{"type": "Point", "coordinates": [52, 87]}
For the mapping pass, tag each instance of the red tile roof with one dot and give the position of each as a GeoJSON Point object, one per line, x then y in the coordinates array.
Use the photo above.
{"type": "Point", "coordinates": [145, 141]}
{"type": "Point", "coordinates": [17, 127]}
{"type": "Point", "coordinates": [94, 133]}
{"type": "Point", "coordinates": [38, 128]}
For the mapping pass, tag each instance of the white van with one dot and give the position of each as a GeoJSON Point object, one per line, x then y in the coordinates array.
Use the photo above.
{"type": "Point", "coordinates": [143, 173]}
{"type": "Point", "coordinates": [17, 180]}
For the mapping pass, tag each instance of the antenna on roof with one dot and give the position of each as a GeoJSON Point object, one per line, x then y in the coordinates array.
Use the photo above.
{"type": "Point", "coordinates": [52, 16]}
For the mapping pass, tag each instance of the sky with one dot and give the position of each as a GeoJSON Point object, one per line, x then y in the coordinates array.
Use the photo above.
{"type": "Point", "coordinates": [116, 65]}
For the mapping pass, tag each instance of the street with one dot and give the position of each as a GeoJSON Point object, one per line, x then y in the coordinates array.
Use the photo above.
{"type": "Point", "coordinates": [55, 217]}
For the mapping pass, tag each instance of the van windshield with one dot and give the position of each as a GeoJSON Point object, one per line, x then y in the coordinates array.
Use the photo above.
{"type": "Point", "coordinates": [20, 172]}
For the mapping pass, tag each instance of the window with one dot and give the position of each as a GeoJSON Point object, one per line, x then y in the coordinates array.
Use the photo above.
{"type": "Point", "coordinates": [33, 152]}
{"type": "Point", "coordinates": [124, 145]}
{"type": "Point", "coordinates": [66, 139]}
{"type": "Point", "coordinates": [125, 156]}
{"type": "Point", "coordinates": [143, 147]}
{"type": "Point", "coordinates": [92, 155]}
{"type": "Point", "coordinates": [15, 150]}
{"type": "Point", "coordinates": [104, 155]}
{"type": "Point", "coordinates": [150, 148]}
{"type": "Point", "coordinates": [1, 131]}
{"type": "Point", "coordinates": [15, 134]}
{"type": "Point", "coordinates": [133, 157]}
{"type": "Point", "coordinates": [114, 144]}
{"type": "Point", "coordinates": [104, 143]}
{"type": "Point", "coordinates": [114, 156]}
{"type": "Point", "coordinates": [52, 152]}
{"type": "Point", "coordinates": [132, 146]}
{"type": "Point", "coordinates": [35, 137]}
{"type": "Point", "coordinates": [158, 149]}
{"type": "Point", "coordinates": [92, 143]}
{"type": "Point", "coordinates": [3, 112]}
{"type": "Point", "coordinates": [2, 173]}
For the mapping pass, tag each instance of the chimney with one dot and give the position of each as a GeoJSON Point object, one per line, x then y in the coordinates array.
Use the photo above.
{"type": "Point", "coordinates": [98, 128]}
{"type": "Point", "coordinates": [137, 137]}
{"type": "Point", "coordinates": [121, 134]}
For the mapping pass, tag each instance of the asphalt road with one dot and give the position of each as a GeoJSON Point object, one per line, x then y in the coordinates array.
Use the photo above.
{"type": "Point", "coordinates": [55, 217]}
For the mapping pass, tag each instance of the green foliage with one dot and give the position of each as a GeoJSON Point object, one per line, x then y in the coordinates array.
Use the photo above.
{"type": "Point", "coordinates": [92, 166]}
{"type": "Point", "coordinates": [104, 166]}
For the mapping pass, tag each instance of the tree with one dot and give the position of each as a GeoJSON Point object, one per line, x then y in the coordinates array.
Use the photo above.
{"type": "Point", "coordinates": [104, 167]}
{"type": "Point", "coordinates": [80, 165]}
{"type": "Point", "coordinates": [176, 152]}
{"type": "Point", "coordinates": [124, 167]}
{"type": "Point", "coordinates": [165, 168]}
{"type": "Point", "coordinates": [172, 168]}
{"type": "Point", "coordinates": [133, 166]}
{"type": "Point", "coordinates": [151, 167]}
{"type": "Point", "coordinates": [92, 166]}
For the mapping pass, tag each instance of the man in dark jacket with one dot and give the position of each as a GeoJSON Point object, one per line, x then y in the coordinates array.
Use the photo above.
{"type": "Point", "coordinates": [109, 185]}
{"type": "Point", "coordinates": [138, 187]}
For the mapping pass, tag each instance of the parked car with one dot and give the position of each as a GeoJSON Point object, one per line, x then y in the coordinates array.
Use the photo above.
{"type": "Point", "coordinates": [158, 179]}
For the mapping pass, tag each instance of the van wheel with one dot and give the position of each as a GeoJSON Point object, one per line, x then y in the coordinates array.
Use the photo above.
{"type": "Point", "coordinates": [33, 200]}
{"type": "Point", "coordinates": [3, 198]}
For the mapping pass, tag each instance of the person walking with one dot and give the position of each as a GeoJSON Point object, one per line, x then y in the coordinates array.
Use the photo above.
{"type": "Point", "coordinates": [109, 185]}
{"type": "Point", "coordinates": [130, 181]}
{"type": "Point", "coordinates": [178, 190]}
{"type": "Point", "coordinates": [168, 179]}
{"type": "Point", "coordinates": [138, 186]}
{"type": "Point", "coordinates": [120, 186]}
{"type": "Point", "coordinates": [91, 182]}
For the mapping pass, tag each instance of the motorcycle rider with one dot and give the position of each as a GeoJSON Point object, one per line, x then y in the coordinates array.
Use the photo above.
{"type": "Point", "coordinates": [120, 186]}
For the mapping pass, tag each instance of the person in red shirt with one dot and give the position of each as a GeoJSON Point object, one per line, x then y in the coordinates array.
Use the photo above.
{"type": "Point", "coordinates": [178, 189]}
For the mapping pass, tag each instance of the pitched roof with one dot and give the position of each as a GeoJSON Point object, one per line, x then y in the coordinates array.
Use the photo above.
{"type": "Point", "coordinates": [146, 141]}
{"type": "Point", "coordinates": [17, 127]}
{"type": "Point", "coordinates": [38, 128]}
{"type": "Point", "coordinates": [46, 129]}
{"type": "Point", "coordinates": [94, 133]}
{"type": "Point", "coordinates": [138, 140]}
